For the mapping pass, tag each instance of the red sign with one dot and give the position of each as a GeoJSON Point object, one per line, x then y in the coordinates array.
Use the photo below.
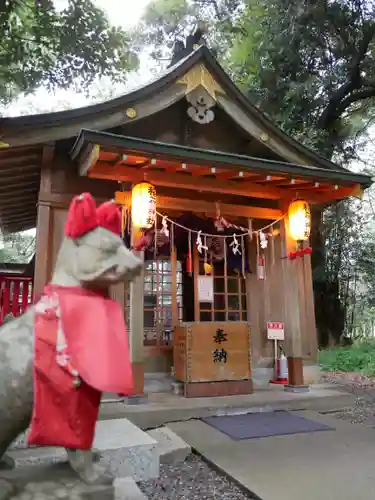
{"type": "Point", "coordinates": [275, 330]}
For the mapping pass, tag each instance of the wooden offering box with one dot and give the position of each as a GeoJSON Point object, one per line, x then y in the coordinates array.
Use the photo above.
{"type": "Point", "coordinates": [213, 359]}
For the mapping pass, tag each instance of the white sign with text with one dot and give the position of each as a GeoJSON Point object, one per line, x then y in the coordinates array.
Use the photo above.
{"type": "Point", "coordinates": [275, 330]}
{"type": "Point", "coordinates": [205, 289]}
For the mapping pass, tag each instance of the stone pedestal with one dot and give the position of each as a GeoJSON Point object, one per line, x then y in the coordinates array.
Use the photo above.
{"type": "Point", "coordinates": [126, 450]}
{"type": "Point", "coordinates": [50, 482]}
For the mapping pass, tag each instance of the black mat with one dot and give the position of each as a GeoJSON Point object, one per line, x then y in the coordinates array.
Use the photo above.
{"type": "Point", "coordinates": [264, 424]}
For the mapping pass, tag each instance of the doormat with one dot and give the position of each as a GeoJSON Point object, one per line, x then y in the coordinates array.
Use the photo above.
{"type": "Point", "coordinates": [264, 424]}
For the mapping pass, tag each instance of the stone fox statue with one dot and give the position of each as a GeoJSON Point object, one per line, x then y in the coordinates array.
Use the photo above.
{"type": "Point", "coordinates": [72, 345]}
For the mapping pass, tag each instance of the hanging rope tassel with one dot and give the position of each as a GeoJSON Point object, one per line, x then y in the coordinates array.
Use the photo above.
{"type": "Point", "coordinates": [155, 238]}
{"type": "Point", "coordinates": [243, 255]}
{"type": "Point", "coordinates": [272, 250]}
{"type": "Point", "coordinates": [189, 259]}
{"type": "Point", "coordinates": [250, 228]}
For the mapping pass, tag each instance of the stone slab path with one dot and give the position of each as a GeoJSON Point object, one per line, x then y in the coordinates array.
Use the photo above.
{"type": "Point", "coordinates": [330, 465]}
{"type": "Point", "coordinates": [162, 408]}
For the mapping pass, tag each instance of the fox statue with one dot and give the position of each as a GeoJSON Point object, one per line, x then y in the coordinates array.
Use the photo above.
{"type": "Point", "coordinates": [70, 346]}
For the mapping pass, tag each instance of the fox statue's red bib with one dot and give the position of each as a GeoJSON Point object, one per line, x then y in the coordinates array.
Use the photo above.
{"type": "Point", "coordinates": [81, 346]}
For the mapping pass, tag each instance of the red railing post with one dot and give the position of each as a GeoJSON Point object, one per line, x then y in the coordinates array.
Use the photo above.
{"type": "Point", "coordinates": [15, 296]}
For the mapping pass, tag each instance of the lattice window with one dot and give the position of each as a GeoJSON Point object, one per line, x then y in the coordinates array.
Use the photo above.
{"type": "Point", "coordinates": [158, 301]}
{"type": "Point", "coordinates": [230, 302]}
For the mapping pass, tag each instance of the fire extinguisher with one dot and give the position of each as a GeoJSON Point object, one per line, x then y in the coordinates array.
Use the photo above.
{"type": "Point", "coordinates": [282, 368]}
{"type": "Point", "coordinates": [281, 376]}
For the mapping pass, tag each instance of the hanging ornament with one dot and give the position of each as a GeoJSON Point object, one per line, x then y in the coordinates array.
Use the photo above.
{"type": "Point", "coordinates": [243, 255]}
{"type": "Point", "coordinates": [199, 243]}
{"type": "Point", "coordinates": [189, 258]}
{"type": "Point", "coordinates": [225, 257]}
{"type": "Point", "coordinates": [263, 240]}
{"type": "Point", "coordinates": [155, 239]}
{"type": "Point", "coordinates": [164, 227]}
{"type": "Point", "coordinates": [235, 246]}
{"type": "Point", "coordinates": [261, 268]}
{"type": "Point", "coordinates": [250, 228]}
{"type": "Point", "coordinates": [207, 268]}
{"type": "Point", "coordinates": [272, 239]}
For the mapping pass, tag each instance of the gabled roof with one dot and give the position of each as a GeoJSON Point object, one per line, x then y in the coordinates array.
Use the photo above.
{"type": "Point", "coordinates": [27, 130]}
{"type": "Point", "coordinates": [25, 141]}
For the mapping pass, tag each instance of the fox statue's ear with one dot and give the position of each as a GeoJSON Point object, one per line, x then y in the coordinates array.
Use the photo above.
{"type": "Point", "coordinates": [109, 216]}
{"type": "Point", "coordinates": [82, 216]}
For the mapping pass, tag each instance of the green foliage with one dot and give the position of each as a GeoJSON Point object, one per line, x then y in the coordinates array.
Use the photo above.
{"type": "Point", "coordinates": [358, 358]}
{"type": "Point", "coordinates": [18, 248]}
{"type": "Point", "coordinates": [167, 21]}
{"type": "Point", "coordinates": [310, 66]}
{"type": "Point", "coordinates": [43, 46]}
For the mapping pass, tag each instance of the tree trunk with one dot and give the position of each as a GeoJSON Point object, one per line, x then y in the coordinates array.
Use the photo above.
{"type": "Point", "coordinates": [329, 313]}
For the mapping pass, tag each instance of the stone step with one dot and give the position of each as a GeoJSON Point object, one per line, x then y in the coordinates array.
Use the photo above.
{"type": "Point", "coordinates": [124, 449]}
{"type": "Point", "coordinates": [58, 481]}
{"type": "Point", "coordinates": [38, 456]}
{"type": "Point", "coordinates": [171, 447]}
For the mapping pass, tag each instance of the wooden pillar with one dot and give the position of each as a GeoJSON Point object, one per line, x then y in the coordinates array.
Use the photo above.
{"type": "Point", "coordinates": [174, 281]}
{"type": "Point", "coordinates": [42, 271]}
{"type": "Point", "coordinates": [136, 320]}
{"type": "Point", "coordinates": [196, 278]}
{"type": "Point", "coordinates": [255, 304]}
{"type": "Point", "coordinates": [42, 250]}
{"type": "Point", "coordinates": [293, 289]}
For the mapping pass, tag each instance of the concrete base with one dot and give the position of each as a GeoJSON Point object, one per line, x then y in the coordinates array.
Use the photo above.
{"type": "Point", "coordinates": [158, 382]}
{"type": "Point", "coordinates": [262, 375]}
{"type": "Point", "coordinates": [296, 388]}
{"type": "Point", "coordinates": [171, 447]}
{"type": "Point", "coordinates": [126, 450]}
{"type": "Point", "coordinates": [135, 400]}
{"type": "Point", "coordinates": [312, 374]}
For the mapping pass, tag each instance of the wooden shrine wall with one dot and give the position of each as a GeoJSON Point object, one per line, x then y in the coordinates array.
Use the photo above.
{"type": "Point", "coordinates": [265, 298]}
{"type": "Point", "coordinates": [266, 303]}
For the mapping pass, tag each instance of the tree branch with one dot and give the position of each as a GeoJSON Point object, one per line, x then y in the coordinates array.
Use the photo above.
{"type": "Point", "coordinates": [331, 112]}
{"type": "Point", "coordinates": [359, 95]}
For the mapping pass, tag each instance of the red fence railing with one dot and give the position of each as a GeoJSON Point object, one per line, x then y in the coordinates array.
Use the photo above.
{"type": "Point", "coordinates": [16, 294]}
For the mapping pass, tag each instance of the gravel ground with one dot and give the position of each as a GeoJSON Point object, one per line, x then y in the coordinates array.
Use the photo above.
{"type": "Point", "coordinates": [192, 479]}
{"type": "Point", "coordinates": [363, 410]}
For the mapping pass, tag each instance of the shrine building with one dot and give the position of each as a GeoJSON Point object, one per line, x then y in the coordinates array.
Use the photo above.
{"type": "Point", "coordinates": [217, 201]}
